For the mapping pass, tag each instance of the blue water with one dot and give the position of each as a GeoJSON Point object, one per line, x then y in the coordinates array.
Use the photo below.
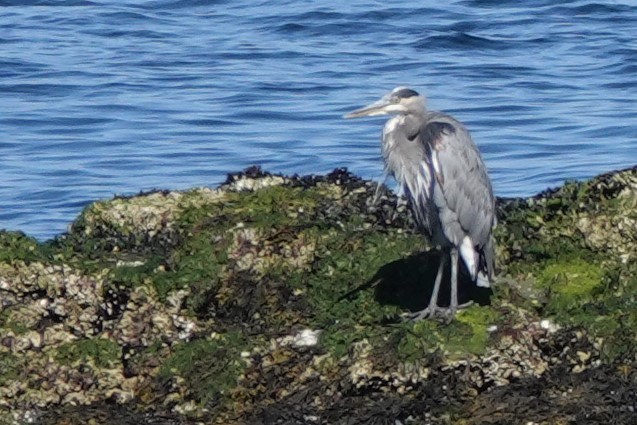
{"type": "Point", "coordinates": [102, 98]}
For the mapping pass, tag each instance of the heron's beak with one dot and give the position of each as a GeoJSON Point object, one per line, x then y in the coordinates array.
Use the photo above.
{"type": "Point", "coordinates": [376, 108]}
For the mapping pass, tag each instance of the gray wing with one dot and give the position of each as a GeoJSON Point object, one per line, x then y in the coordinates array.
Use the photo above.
{"type": "Point", "coordinates": [464, 197]}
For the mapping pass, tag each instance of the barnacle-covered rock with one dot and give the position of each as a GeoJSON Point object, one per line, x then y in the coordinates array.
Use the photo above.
{"type": "Point", "coordinates": [278, 299]}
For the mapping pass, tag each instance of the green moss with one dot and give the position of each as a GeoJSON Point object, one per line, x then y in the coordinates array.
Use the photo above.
{"type": "Point", "coordinates": [266, 207]}
{"type": "Point", "coordinates": [133, 275]}
{"type": "Point", "coordinates": [196, 212]}
{"type": "Point", "coordinates": [210, 367]}
{"type": "Point", "coordinates": [415, 341]}
{"type": "Point", "coordinates": [8, 320]}
{"type": "Point", "coordinates": [569, 282]}
{"type": "Point", "coordinates": [7, 419]}
{"type": "Point", "coordinates": [469, 332]}
{"type": "Point", "coordinates": [611, 313]}
{"type": "Point", "coordinates": [10, 367]}
{"type": "Point", "coordinates": [197, 265]}
{"type": "Point", "coordinates": [16, 246]}
{"type": "Point", "coordinates": [348, 261]}
{"type": "Point", "coordinates": [102, 352]}
{"type": "Point", "coordinates": [276, 205]}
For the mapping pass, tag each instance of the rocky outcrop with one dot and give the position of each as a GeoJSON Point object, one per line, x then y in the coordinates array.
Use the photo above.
{"type": "Point", "coordinates": [276, 299]}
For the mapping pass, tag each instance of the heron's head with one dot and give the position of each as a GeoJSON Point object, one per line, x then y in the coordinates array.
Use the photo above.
{"type": "Point", "coordinates": [401, 100]}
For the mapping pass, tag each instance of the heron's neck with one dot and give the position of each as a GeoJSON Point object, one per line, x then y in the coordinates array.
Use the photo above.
{"type": "Point", "coordinates": [419, 109]}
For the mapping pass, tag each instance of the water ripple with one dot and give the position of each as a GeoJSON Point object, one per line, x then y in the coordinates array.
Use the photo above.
{"type": "Point", "coordinates": [102, 97]}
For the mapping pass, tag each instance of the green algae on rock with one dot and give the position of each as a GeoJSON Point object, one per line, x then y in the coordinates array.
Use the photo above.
{"type": "Point", "coordinates": [276, 298]}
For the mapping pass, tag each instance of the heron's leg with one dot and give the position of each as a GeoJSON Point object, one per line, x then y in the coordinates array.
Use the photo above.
{"type": "Point", "coordinates": [453, 303]}
{"type": "Point", "coordinates": [433, 301]}
{"type": "Point", "coordinates": [432, 308]}
{"type": "Point", "coordinates": [378, 186]}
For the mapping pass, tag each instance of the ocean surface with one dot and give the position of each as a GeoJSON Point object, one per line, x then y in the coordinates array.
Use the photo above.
{"type": "Point", "coordinates": [113, 97]}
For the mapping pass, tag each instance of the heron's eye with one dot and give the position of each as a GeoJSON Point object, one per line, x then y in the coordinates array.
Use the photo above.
{"type": "Point", "coordinates": [395, 99]}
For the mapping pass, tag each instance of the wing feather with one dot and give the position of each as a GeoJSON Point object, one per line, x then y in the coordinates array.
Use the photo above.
{"type": "Point", "coordinates": [463, 182]}
{"type": "Point", "coordinates": [463, 194]}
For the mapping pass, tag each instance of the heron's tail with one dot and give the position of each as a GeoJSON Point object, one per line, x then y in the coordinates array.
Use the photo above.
{"type": "Point", "coordinates": [480, 261]}
{"type": "Point", "coordinates": [483, 281]}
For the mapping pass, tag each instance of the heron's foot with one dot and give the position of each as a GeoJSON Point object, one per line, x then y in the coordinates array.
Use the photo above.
{"type": "Point", "coordinates": [431, 312]}
{"type": "Point", "coordinates": [444, 314]}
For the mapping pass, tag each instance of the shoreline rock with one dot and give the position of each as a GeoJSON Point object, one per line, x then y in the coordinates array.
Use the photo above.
{"type": "Point", "coordinates": [278, 299]}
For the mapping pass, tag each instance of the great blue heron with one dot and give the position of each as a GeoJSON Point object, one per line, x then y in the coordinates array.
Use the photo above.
{"type": "Point", "coordinates": [440, 170]}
